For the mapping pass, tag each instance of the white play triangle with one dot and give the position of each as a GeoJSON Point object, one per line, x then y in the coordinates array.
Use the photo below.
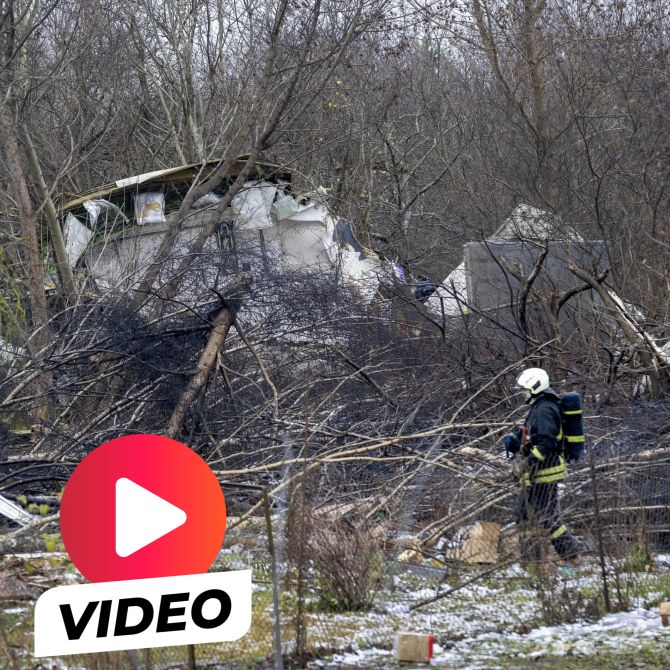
{"type": "Point", "coordinates": [142, 517]}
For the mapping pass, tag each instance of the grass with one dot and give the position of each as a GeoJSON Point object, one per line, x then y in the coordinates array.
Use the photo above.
{"type": "Point", "coordinates": [650, 656]}
{"type": "Point", "coordinates": [329, 633]}
{"type": "Point", "coordinates": [652, 588]}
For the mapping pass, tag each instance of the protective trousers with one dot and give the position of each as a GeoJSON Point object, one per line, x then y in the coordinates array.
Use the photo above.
{"type": "Point", "coordinates": [539, 504]}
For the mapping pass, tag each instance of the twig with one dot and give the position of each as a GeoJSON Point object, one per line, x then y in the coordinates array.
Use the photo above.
{"type": "Point", "coordinates": [467, 582]}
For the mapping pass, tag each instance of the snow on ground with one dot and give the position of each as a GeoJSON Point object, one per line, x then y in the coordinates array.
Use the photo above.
{"type": "Point", "coordinates": [613, 632]}
{"type": "Point", "coordinates": [484, 625]}
{"type": "Point", "coordinates": [498, 617]}
{"type": "Point", "coordinates": [480, 624]}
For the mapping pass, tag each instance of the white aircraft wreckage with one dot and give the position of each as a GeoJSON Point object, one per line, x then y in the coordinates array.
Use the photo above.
{"type": "Point", "coordinates": [114, 231]}
{"type": "Point", "coordinates": [454, 296]}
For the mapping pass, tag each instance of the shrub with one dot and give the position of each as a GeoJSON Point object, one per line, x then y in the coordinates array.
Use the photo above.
{"type": "Point", "coordinates": [347, 561]}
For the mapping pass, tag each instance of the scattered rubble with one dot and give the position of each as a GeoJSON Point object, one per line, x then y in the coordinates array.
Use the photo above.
{"type": "Point", "coordinates": [13, 589]}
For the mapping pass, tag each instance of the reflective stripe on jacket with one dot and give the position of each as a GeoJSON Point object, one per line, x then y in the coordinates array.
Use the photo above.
{"type": "Point", "coordinates": [545, 432]}
{"type": "Point", "coordinates": [553, 472]}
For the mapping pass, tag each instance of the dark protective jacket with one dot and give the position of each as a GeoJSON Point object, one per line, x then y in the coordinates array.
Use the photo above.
{"type": "Point", "coordinates": [545, 433]}
{"type": "Point", "coordinates": [544, 424]}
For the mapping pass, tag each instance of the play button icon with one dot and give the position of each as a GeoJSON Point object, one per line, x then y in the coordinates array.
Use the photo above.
{"type": "Point", "coordinates": [142, 506]}
{"type": "Point", "coordinates": [142, 517]}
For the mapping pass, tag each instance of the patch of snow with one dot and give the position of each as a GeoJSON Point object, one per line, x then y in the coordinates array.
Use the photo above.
{"type": "Point", "coordinates": [360, 657]}
{"type": "Point", "coordinates": [477, 633]}
{"type": "Point", "coordinates": [614, 631]}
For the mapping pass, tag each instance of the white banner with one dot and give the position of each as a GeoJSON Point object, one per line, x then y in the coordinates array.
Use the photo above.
{"type": "Point", "coordinates": [140, 613]}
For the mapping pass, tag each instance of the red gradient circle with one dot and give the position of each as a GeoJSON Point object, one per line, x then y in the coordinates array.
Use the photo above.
{"type": "Point", "coordinates": [167, 469]}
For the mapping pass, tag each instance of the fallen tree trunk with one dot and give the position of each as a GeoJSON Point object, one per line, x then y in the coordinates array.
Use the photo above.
{"type": "Point", "coordinates": [652, 356]}
{"type": "Point", "coordinates": [221, 324]}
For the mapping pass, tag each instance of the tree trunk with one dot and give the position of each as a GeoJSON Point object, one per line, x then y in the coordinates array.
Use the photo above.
{"type": "Point", "coordinates": [220, 327]}
{"type": "Point", "coordinates": [62, 263]}
{"type": "Point", "coordinates": [29, 250]}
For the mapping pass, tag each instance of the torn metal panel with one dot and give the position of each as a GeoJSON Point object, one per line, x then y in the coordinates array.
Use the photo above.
{"type": "Point", "coordinates": [450, 297]}
{"type": "Point", "coordinates": [207, 200]}
{"type": "Point", "coordinates": [304, 246]}
{"type": "Point", "coordinates": [258, 251]}
{"type": "Point", "coordinates": [360, 267]}
{"type": "Point", "coordinates": [15, 512]}
{"type": "Point", "coordinates": [306, 237]}
{"type": "Point", "coordinates": [170, 176]}
{"type": "Point", "coordinates": [284, 207]}
{"type": "Point", "coordinates": [312, 212]}
{"type": "Point", "coordinates": [120, 260]}
{"type": "Point", "coordinates": [142, 178]}
{"type": "Point", "coordinates": [344, 236]}
{"type": "Point", "coordinates": [77, 236]}
{"type": "Point", "coordinates": [96, 209]}
{"type": "Point", "coordinates": [252, 206]}
{"type": "Point", "coordinates": [362, 273]}
{"type": "Point", "coordinates": [267, 228]}
{"type": "Point", "coordinates": [492, 289]}
{"type": "Point", "coordinates": [525, 223]}
{"type": "Point", "coordinates": [530, 223]}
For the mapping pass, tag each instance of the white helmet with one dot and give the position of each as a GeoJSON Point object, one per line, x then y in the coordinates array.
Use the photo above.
{"type": "Point", "coordinates": [533, 381]}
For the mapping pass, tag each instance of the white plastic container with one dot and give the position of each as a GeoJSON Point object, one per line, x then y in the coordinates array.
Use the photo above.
{"type": "Point", "coordinates": [149, 207]}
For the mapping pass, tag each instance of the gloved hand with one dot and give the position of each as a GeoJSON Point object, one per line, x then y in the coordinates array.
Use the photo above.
{"type": "Point", "coordinates": [512, 441]}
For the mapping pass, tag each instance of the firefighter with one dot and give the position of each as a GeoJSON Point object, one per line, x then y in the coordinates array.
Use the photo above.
{"type": "Point", "coordinates": [539, 463]}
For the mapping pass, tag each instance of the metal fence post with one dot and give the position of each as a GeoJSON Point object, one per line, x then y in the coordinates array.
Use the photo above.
{"type": "Point", "coordinates": [279, 659]}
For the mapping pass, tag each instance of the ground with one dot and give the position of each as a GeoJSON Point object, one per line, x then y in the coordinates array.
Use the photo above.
{"type": "Point", "coordinates": [500, 624]}
{"type": "Point", "coordinates": [510, 618]}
